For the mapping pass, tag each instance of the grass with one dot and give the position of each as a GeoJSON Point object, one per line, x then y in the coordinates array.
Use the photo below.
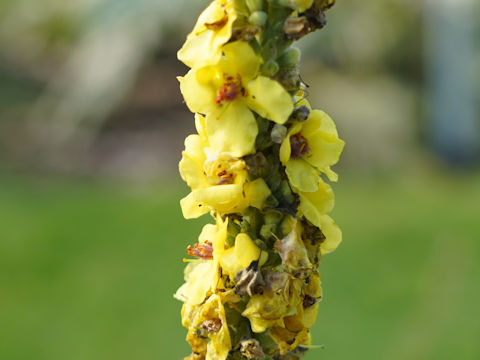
{"type": "Point", "coordinates": [88, 269]}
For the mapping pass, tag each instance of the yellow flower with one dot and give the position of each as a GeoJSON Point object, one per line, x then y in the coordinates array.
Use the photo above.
{"type": "Point", "coordinates": [202, 275]}
{"type": "Point", "coordinates": [287, 339]}
{"type": "Point", "coordinates": [281, 295]}
{"type": "Point", "coordinates": [241, 255]}
{"type": "Point", "coordinates": [212, 30]}
{"type": "Point", "coordinates": [208, 321]}
{"type": "Point", "coordinates": [218, 180]}
{"type": "Point", "coordinates": [309, 148]}
{"type": "Point", "coordinates": [228, 90]}
{"type": "Point", "coordinates": [315, 206]}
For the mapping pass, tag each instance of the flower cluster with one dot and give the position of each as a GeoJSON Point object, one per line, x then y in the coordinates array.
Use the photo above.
{"type": "Point", "coordinates": [257, 164]}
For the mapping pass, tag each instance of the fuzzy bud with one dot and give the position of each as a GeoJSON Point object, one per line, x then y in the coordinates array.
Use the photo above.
{"type": "Point", "coordinates": [279, 132]}
{"type": "Point", "coordinates": [258, 18]}
{"type": "Point", "coordinates": [301, 113]}
{"type": "Point", "coordinates": [270, 68]}
{"type": "Point", "coordinates": [291, 57]}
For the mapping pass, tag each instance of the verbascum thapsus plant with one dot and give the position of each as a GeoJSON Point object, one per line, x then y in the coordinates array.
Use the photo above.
{"type": "Point", "coordinates": [258, 166]}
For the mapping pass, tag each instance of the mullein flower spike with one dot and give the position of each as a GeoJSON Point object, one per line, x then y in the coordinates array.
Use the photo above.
{"type": "Point", "coordinates": [257, 164]}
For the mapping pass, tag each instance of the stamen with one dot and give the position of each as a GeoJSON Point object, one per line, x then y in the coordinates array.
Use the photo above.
{"type": "Point", "coordinates": [202, 251]}
{"type": "Point", "coordinates": [299, 146]}
{"type": "Point", "coordinates": [225, 178]}
{"type": "Point", "coordinates": [230, 90]}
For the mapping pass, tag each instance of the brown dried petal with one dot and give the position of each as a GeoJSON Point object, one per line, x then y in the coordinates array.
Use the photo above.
{"type": "Point", "coordinates": [296, 27]}
{"type": "Point", "coordinates": [251, 349]}
{"type": "Point", "coordinates": [212, 326]}
{"type": "Point", "coordinates": [309, 301]}
{"type": "Point", "coordinates": [250, 280]}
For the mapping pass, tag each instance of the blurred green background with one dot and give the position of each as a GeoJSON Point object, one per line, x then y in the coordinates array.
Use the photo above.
{"type": "Point", "coordinates": [92, 127]}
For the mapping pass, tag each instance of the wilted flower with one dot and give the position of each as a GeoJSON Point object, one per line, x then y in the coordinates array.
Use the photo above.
{"type": "Point", "coordinates": [208, 330]}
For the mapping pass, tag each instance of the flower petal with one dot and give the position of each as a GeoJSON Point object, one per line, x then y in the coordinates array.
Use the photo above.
{"type": "Point", "coordinates": [200, 126]}
{"type": "Point", "coordinates": [200, 278]}
{"type": "Point", "coordinates": [315, 204]}
{"type": "Point", "coordinates": [220, 343]}
{"type": "Point", "coordinates": [191, 208]}
{"type": "Point", "coordinates": [325, 150]}
{"type": "Point", "coordinates": [191, 164]}
{"type": "Point", "coordinates": [234, 130]}
{"type": "Point", "coordinates": [240, 59]}
{"type": "Point", "coordinates": [302, 175]}
{"type": "Point", "coordinates": [327, 125]}
{"type": "Point", "coordinates": [198, 91]}
{"type": "Point", "coordinates": [223, 198]}
{"type": "Point", "coordinates": [286, 147]}
{"type": "Point", "coordinates": [212, 30]}
{"type": "Point", "coordinates": [256, 192]}
{"type": "Point", "coordinates": [269, 99]}
{"type": "Point", "coordinates": [332, 233]}
{"type": "Point", "coordinates": [325, 146]}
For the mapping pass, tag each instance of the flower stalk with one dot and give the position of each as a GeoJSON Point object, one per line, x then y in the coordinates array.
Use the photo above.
{"type": "Point", "coordinates": [257, 164]}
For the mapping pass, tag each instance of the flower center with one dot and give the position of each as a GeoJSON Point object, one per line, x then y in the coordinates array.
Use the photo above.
{"type": "Point", "coordinates": [230, 90]}
{"type": "Point", "coordinates": [202, 251]}
{"type": "Point", "coordinates": [299, 146]}
{"type": "Point", "coordinates": [225, 178]}
{"type": "Point", "coordinates": [222, 170]}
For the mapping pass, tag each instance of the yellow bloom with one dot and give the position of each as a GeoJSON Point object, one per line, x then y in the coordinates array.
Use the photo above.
{"type": "Point", "coordinates": [315, 206]}
{"type": "Point", "coordinates": [208, 321]}
{"type": "Point", "coordinates": [241, 255]}
{"type": "Point", "coordinates": [228, 90]}
{"type": "Point", "coordinates": [218, 180]}
{"type": "Point", "coordinates": [311, 147]}
{"type": "Point", "coordinates": [202, 275]}
{"type": "Point", "coordinates": [212, 30]}
{"type": "Point", "coordinates": [287, 339]}
{"type": "Point", "coordinates": [281, 295]}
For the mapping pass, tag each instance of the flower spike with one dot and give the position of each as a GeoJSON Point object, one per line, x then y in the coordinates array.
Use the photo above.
{"type": "Point", "coordinates": [257, 165]}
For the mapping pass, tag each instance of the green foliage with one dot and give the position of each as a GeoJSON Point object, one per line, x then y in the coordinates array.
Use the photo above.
{"type": "Point", "coordinates": [87, 271]}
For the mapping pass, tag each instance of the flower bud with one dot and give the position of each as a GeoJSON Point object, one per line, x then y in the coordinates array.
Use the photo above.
{"type": "Point", "coordinates": [270, 68]}
{"type": "Point", "coordinates": [301, 113]}
{"type": "Point", "coordinates": [258, 18]}
{"type": "Point", "coordinates": [290, 58]}
{"type": "Point", "coordinates": [279, 132]}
